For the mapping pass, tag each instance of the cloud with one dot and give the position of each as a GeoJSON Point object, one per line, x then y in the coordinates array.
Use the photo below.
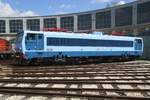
{"type": "Point", "coordinates": [7, 11]}
{"type": "Point", "coordinates": [61, 12]}
{"type": "Point", "coordinates": [28, 13]}
{"type": "Point", "coordinates": [99, 1]}
{"type": "Point", "coordinates": [116, 3]}
{"type": "Point", "coordinates": [121, 2]}
{"type": "Point", "coordinates": [65, 6]}
{"type": "Point", "coordinates": [110, 2]}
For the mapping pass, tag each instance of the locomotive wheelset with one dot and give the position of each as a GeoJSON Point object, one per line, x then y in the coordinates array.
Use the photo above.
{"type": "Point", "coordinates": [32, 46]}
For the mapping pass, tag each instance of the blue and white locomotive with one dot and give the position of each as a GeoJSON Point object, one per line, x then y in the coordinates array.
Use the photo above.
{"type": "Point", "coordinates": [34, 45]}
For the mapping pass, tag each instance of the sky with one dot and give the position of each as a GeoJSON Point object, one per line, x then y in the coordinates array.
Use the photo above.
{"type": "Point", "coordinates": [9, 8]}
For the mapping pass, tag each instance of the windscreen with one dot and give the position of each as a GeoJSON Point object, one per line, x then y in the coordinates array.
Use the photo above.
{"type": "Point", "coordinates": [138, 44]}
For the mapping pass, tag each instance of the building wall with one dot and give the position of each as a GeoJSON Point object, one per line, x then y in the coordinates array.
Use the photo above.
{"type": "Point", "coordinates": [146, 54]}
{"type": "Point", "coordinates": [127, 18]}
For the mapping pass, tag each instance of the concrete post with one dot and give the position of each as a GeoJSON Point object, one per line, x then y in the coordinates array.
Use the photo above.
{"type": "Point", "coordinates": [24, 24]}
{"type": "Point", "coordinates": [41, 24]}
{"type": "Point", "coordinates": [113, 18]}
{"type": "Point", "coordinates": [7, 26]}
{"type": "Point", "coordinates": [93, 21]}
{"type": "Point", "coordinates": [75, 23]}
{"type": "Point", "coordinates": [134, 15]}
{"type": "Point", "coordinates": [58, 22]}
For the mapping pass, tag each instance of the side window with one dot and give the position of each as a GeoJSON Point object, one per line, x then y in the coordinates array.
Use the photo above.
{"type": "Point", "coordinates": [31, 37]}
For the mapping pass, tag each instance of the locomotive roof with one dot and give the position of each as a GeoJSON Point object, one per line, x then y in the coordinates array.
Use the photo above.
{"type": "Point", "coordinates": [80, 35]}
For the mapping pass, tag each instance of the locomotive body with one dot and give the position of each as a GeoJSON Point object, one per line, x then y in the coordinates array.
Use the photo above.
{"type": "Point", "coordinates": [33, 45]}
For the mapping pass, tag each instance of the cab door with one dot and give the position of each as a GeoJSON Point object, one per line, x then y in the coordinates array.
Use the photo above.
{"type": "Point", "coordinates": [34, 41]}
{"type": "Point", "coordinates": [40, 42]}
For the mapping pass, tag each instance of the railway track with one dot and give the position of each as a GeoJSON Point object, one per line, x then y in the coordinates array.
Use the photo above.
{"type": "Point", "coordinates": [31, 92]}
{"type": "Point", "coordinates": [123, 81]}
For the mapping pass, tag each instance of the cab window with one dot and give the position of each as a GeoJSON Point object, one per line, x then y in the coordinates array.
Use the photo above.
{"type": "Point", "coordinates": [139, 41]}
{"type": "Point", "coordinates": [40, 36]}
{"type": "Point", "coordinates": [31, 37]}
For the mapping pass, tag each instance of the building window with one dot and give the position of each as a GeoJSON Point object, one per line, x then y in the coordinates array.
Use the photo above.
{"type": "Point", "coordinates": [2, 26]}
{"type": "Point", "coordinates": [123, 16]}
{"type": "Point", "coordinates": [67, 23]}
{"type": "Point", "coordinates": [143, 13]}
{"type": "Point", "coordinates": [103, 20]}
{"type": "Point", "coordinates": [33, 24]}
{"type": "Point", "coordinates": [50, 23]}
{"type": "Point", "coordinates": [85, 22]}
{"type": "Point", "coordinates": [15, 26]}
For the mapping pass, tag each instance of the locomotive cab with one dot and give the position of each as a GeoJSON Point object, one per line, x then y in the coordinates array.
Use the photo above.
{"type": "Point", "coordinates": [19, 54]}
{"type": "Point", "coordinates": [138, 45]}
{"type": "Point", "coordinates": [34, 41]}
{"type": "Point", "coordinates": [28, 42]}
